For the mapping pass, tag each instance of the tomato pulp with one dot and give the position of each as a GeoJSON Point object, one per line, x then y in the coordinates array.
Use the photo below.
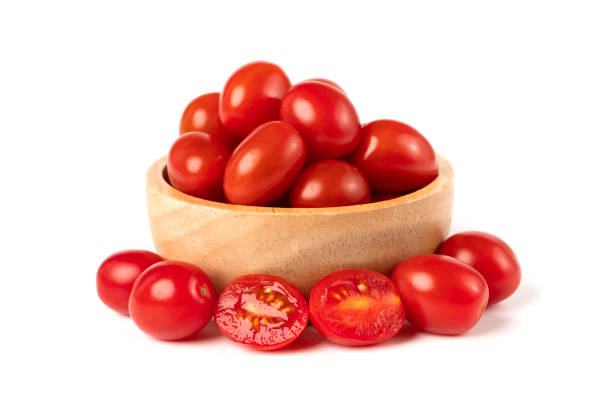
{"type": "Point", "coordinates": [356, 307]}
{"type": "Point", "coordinates": [261, 311]}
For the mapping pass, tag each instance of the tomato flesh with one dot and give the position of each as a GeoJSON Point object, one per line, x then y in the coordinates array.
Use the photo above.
{"type": "Point", "coordinates": [491, 257]}
{"type": "Point", "coordinates": [356, 307]}
{"type": "Point", "coordinates": [261, 311]}
{"type": "Point", "coordinates": [172, 300]}
{"type": "Point", "coordinates": [441, 294]}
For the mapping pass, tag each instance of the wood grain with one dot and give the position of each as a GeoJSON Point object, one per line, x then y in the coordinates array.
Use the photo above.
{"type": "Point", "coordinates": [298, 244]}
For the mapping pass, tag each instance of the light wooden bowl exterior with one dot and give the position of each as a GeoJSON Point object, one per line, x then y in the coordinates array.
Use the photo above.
{"type": "Point", "coordinates": [299, 245]}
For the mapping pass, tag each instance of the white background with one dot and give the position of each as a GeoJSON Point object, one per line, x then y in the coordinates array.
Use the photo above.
{"type": "Point", "coordinates": [517, 96]}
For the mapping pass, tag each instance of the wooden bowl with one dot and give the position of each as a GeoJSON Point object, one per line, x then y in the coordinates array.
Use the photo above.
{"type": "Point", "coordinates": [298, 244]}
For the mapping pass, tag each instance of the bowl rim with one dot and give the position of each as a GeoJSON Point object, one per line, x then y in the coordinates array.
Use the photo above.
{"type": "Point", "coordinates": [157, 183]}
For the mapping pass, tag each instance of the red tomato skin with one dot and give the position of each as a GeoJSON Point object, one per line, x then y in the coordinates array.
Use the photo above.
{"type": "Point", "coordinates": [490, 256]}
{"type": "Point", "coordinates": [330, 183]}
{"type": "Point", "coordinates": [394, 157]}
{"type": "Point", "coordinates": [376, 319]}
{"type": "Point", "coordinates": [328, 82]}
{"type": "Point", "coordinates": [172, 300]}
{"type": "Point", "coordinates": [265, 337]}
{"type": "Point", "coordinates": [196, 164]}
{"type": "Point", "coordinates": [325, 117]}
{"type": "Point", "coordinates": [441, 294]}
{"type": "Point", "coordinates": [116, 276]}
{"type": "Point", "coordinates": [264, 165]}
{"type": "Point", "coordinates": [252, 96]}
{"type": "Point", "coordinates": [202, 115]}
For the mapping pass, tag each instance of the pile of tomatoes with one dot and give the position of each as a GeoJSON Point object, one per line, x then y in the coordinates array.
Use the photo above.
{"type": "Point", "coordinates": [262, 141]}
{"type": "Point", "coordinates": [443, 293]}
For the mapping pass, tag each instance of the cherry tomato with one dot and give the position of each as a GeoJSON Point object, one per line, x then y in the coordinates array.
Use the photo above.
{"type": "Point", "coordinates": [394, 157]}
{"type": "Point", "coordinates": [330, 183]}
{"type": "Point", "coordinates": [252, 96]}
{"type": "Point", "coordinates": [356, 307]}
{"type": "Point", "coordinates": [384, 196]}
{"type": "Point", "coordinates": [324, 116]}
{"type": "Point", "coordinates": [116, 276]}
{"type": "Point", "coordinates": [196, 163]}
{"type": "Point", "coordinates": [264, 165]}
{"type": "Point", "coordinates": [326, 81]}
{"type": "Point", "coordinates": [202, 115]}
{"type": "Point", "coordinates": [491, 257]}
{"type": "Point", "coordinates": [172, 300]}
{"type": "Point", "coordinates": [261, 311]}
{"type": "Point", "coordinates": [441, 294]}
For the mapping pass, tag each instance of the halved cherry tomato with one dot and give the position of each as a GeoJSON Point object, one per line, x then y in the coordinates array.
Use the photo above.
{"type": "Point", "coordinates": [196, 163]}
{"type": "Point", "coordinates": [356, 307]}
{"type": "Point", "coordinates": [261, 311]}
{"type": "Point", "coordinates": [116, 276]}
{"type": "Point", "coordinates": [394, 157]}
{"type": "Point", "coordinates": [441, 294]}
{"type": "Point", "coordinates": [330, 183]}
{"type": "Point", "coordinates": [325, 118]}
{"type": "Point", "coordinates": [252, 96]}
{"type": "Point", "coordinates": [326, 81]}
{"type": "Point", "coordinates": [172, 300]}
{"type": "Point", "coordinates": [264, 165]}
{"type": "Point", "coordinates": [490, 256]}
{"type": "Point", "coordinates": [202, 115]}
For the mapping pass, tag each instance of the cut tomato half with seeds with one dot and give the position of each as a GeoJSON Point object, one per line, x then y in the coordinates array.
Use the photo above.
{"type": "Point", "coordinates": [261, 311]}
{"type": "Point", "coordinates": [356, 307]}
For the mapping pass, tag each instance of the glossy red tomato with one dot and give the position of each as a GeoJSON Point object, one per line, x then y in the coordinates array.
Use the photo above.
{"type": "Point", "coordinates": [326, 81]}
{"type": "Point", "coordinates": [261, 311]}
{"type": "Point", "coordinates": [196, 163]}
{"type": "Point", "coordinates": [172, 300]}
{"type": "Point", "coordinates": [394, 157]}
{"type": "Point", "coordinates": [116, 276]}
{"type": "Point", "coordinates": [491, 257]}
{"type": "Point", "coordinates": [252, 96]}
{"type": "Point", "coordinates": [202, 115]}
{"type": "Point", "coordinates": [264, 165]}
{"type": "Point", "coordinates": [330, 183]}
{"type": "Point", "coordinates": [356, 307]}
{"type": "Point", "coordinates": [441, 294]}
{"type": "Point", "coordinates": [324, 116]}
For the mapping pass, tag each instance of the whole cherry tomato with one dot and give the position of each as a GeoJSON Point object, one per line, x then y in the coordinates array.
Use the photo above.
{"type": "Point", "coordinates": [264, 165]}
{"type": "Point", "coordinates": [172, 300]}
{"type": "Point", "coordinates": [261, 311]}
{"type": "Point", "coordinates": [441, 294]}
{"type": "Point", "coordinates": [490, 256]}
{"type": "Point", "coordinates": [324, 116]}
{"type": "Point", "coordinates": [356, 307]}
{"type": "Point", "coordinates": [202, 115]}
{"type": "Point", "coordinates": [326, 81]}
{"type": "Point", "coordinates": [196, 163]}
{"type": "Point", "coordinates": [116, 276]}
{"type": "Point", "coordinates": [394, 157]}
{"type": "Point", "coordinates": [252, 96]}
{"type": "Point", "coordinates": [330, 183]}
